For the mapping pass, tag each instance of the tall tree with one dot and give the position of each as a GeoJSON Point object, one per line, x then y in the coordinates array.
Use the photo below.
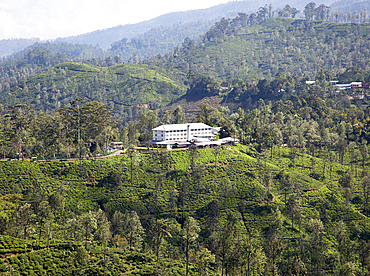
{"type": "Point", "coordinates": [293, 203]}
{"type": "Point", "coordinates": [191, 231]}
{"type": "Point", "coordinates": [286, 185]}
{"type": "Point", "coordinates": [347, 183]}
{"type": "Point", "coordinates": [89, 224]}
{"type": "Point", "coordinates": [147, 122]}
{"type": "Point", "coordinates": [179, 115]}
{"type": "Point", "coordinates": [21, 116]}
{"type": "Point", "coordinates": [366, 191]}
{"type": "Point", "coordinates": [159, 229]}
{"type": "Point", "coordinates": [216, 152]}
{"type": "Point", "coordinates": [309, 11]}
{"type": "Point", "coordinates": [364, 152]}
{"type": "Point", "coordinates": [224, 238]}
{"type": "Point", "coordinates": [132, 153]}
{"type": "Point", "coordinates": [315, 244]}
{"type": "Point", "coordinates": [133, 230]}
{"type": "Point", "coordinates": [275, 248]}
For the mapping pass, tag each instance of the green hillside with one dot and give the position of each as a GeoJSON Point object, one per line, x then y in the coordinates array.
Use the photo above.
{"type": "Point", "coordinates": [121, 87]}
{"type": "Point", "coordinates": [292, 46]}
{"type": "Point", "coordinates": [231, 190]}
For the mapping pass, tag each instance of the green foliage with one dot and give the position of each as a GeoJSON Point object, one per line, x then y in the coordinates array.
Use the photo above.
{"type": "Point", "coordinates": [250, 52]}
{"type": "Point", "coordinates": [124, 88]}
{"type": "Point", "coordinates": [90, 186]}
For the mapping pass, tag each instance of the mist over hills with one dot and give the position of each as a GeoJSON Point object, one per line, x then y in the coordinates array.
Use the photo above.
{"type": "Point", "coordinates": [351, 6]}
{"type": "Point", "coordinates": [10, 46]}
{"type": "Point", "coordinates": [104, 38]}
{"type": "Point", "coordinates": [203, 17]}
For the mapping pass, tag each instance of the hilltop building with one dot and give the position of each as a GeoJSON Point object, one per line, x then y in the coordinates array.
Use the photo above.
{"type": "Point", "coordinates": [182, 132]}
{"type": "Point", "coordinates": [183, 135]}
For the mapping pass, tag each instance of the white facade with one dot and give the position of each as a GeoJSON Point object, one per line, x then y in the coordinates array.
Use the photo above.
{"type": "Point", "coordinates": [182, 132]}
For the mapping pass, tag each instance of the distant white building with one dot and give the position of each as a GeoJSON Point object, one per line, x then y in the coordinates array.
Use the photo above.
{"type": "Point", "coordinates": [183, 135]}
{"type": "Point", "coordinates": [182, 132]}
{"type": "Point", "coordinates": [356, 84]}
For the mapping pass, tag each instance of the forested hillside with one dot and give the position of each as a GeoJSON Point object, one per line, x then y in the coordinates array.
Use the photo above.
{"type": "Point", "coordinates": [227, 211]}
{"type": "Point", "coordinates": [121, 87]}
{"type": "Point", "coordinates": [235, 53]}
{"type": "Point", "coordinates": [352, 7]}
{"type": "Point", "coordinates": [232, 49]}
{"type": "Point", "coordinates": [10, 46]}
{"type": "Point", "coordinates": [158, 41]}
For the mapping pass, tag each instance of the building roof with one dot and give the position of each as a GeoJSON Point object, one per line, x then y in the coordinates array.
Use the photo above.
{"type": "Point", "coordinates": [220, 141]}
{"type": "Point", "coordinates": [181, 126]}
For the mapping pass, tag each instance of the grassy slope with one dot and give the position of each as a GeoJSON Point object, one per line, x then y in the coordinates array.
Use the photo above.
{"type": "Point", "coordinates": [88, 186]}
{"type": "Point", "coordinates": [116, 86]}
{"type": "Point", "coordinates": [282, 44]}
{"type": "Point", "coordinates": [62, 259]}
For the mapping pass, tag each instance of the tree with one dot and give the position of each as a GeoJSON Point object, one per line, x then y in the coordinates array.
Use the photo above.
{"type": "Point", "coordinates": [347, 183]}
{"type": "Point", "coordinates": [102, 232]}
{"type": "Point", "coordinates": [158, 231]}
{"type": "Point", "coordinates": [117, 59]}
{"type": "Point", "coordinates": [97, 121]}
{"type": "Point", "coordinates": [322, 12]}
{"type": "Point", "coordinates": [366, 191]}
{"type": "Point", "coordinates": [191, 231]}
{"type": "Point", "coordinates": [179, 115]}
{"type": "Point", "coordinates": [73, 226]}
{"type": "Point", "coordinates": [298, 267]}
{"type": "Point", "coordinates": [224, 239]}
{"type": "Point", "coordinates": [21, 117]}
{"type": "Point", "coordinates": [364, 253]}
{"type": "Point", "coordinates": [132, 153]}
{"type": "Point", "coordinates": [43, 213]}
{"type": "Point", "coordinates": [262, 13]}
{"type": "Point", "coordinates": [132, 133]}
{"type": "Point", "coordinates": [207, 113]}
{"type": "Point", "coordinates": [309, 11]}
{"type": "Point", "coordinates": [167, 118]}
{"type": "Point", "coordinates": [293, 203]}
{"type": "Point", "coordinates": [252, 253]}
{"type": "Point", "coordinates": [24, 217]}
{"type": "Point", "coordinates": [228, 189]}
{"type": "Point", "coordinates": [285, 184]}
{"type": "Point", "coordinates": [89, 224]}
{"type": "Point", "coordinates": [75, 112]}
{"type": "Point", "coordinates": [315, 244]}
{"type": "Point", "coordinates": [147, 122]}
{"type": "Point", "coordinates": [275, 248]}
{"type": "Point", "coordinates": [364, 152]}
{"type": "Point", "coordinates": [216, 152]}
{"type": "Point", "coordinates": [267, 181]}
{"type": "Point", "coordinates": [81, 256]}
{"type": "Point", "coordinates": [204, 260]}
{"type": "Point", "coordinates": [132, 230]}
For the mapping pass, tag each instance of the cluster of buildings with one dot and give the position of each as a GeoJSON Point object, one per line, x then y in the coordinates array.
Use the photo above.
{"type": "Point", "coordinates": [352, 88]}
{"type": "Point", "coordinates": [184, 135]}
{"type": "Point", "coordinates": [345, 86]}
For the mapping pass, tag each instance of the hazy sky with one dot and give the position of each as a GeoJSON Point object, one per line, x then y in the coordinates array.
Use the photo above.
{"type": "Point", "coordinates": [49, 19]}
